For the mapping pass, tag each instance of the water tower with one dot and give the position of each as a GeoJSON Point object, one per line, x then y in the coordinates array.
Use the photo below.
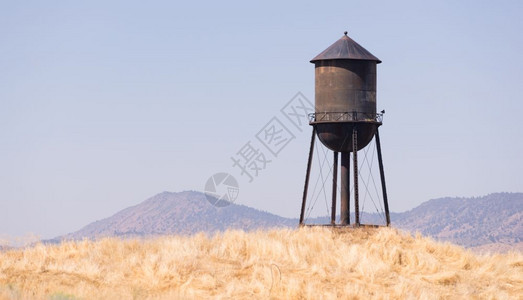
{"type": "Point", "coordinates": [345, 119]}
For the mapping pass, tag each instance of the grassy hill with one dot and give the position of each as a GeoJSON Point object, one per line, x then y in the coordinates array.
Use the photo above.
{"type": "Point", "coordinates": [309, 263]}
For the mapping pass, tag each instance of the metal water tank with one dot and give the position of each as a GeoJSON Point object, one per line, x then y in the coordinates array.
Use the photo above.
{"type": "Point", "coordinates": [345, 95]}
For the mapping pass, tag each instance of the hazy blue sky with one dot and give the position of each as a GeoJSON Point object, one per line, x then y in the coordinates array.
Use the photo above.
{"type": "Point", "coordinates": [106, 103]}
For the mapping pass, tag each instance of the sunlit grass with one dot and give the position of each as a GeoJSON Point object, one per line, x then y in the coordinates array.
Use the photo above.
{"type": "Point", "coordinates": [281, 264]}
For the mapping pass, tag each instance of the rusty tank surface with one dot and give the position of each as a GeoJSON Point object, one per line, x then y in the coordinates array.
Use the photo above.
{"type": "Point", "coordinates": [345, 95]}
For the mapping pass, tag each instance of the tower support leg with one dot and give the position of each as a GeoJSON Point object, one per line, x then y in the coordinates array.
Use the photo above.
{"type": "Point", "coordinates": [307, 175]}
{"type": "Point", "coordinates": [345, 189]}
{"type": "Point", "coordinates": [382, 175]}
{"type": "Point", "coordinates": [334, 187]}
{"type": "Point", "coordinates": [355, 168]}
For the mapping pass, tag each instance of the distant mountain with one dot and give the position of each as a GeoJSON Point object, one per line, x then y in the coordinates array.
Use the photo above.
{"type": "Point", "coordinates": [179, 213]}
{"type": "Point", "coordinates": [471, 222]}
{"type": "Point", "coordinates": [489, 221]}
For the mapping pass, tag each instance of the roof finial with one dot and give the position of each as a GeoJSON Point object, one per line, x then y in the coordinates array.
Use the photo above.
{"type": "Point", "coordinates": [345, 32]}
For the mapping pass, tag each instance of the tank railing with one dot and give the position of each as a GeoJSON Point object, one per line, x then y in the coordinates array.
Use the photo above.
{"type": "Point", "coordinates": [353, 116]}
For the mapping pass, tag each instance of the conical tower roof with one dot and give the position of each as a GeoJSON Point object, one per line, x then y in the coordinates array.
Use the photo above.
{"type": "Point", "coordinates": [345, 48]}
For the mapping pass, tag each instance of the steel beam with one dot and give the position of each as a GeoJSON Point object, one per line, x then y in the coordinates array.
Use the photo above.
{"type": "Point", "coordinates": [355, 176]}
{"type": "Point", "coordinates": [307, 175]}
{"type": "Point", "coordinates": [334, 187]}
{"type": "Point", "coordinates": [382, 175]}
{"type": "Point", "coordinates": [345, 189]}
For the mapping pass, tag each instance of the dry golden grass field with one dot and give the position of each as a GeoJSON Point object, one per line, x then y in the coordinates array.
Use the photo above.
{"type": "Point", "coordinates": [309, 263]}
